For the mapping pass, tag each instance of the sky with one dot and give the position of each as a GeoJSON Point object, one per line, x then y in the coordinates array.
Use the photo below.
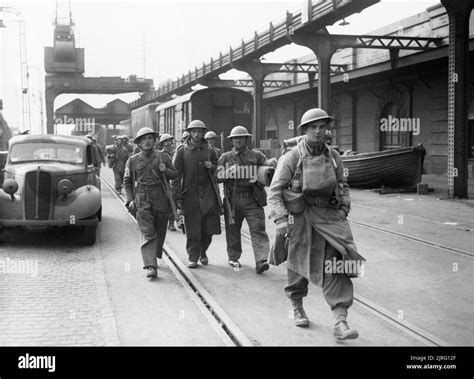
{"type": "Point", "coordinates": [157, 39]}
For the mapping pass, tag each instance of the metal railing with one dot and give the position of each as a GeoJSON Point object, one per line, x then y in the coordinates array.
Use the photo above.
{"type": "Point", "coordinates": [276, 35]}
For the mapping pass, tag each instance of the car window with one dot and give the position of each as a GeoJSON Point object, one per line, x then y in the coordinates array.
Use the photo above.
{"type": "Point", "coordinates": [67, 153]}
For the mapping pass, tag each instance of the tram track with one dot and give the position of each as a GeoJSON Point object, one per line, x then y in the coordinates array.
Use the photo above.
{"type": "Point", "coordinates": [405, 326]}
{"type": "Point", "coordinates": [412, 238]}
{"type": "Point", "coordinates": [230, 333]}
{"type": "Point", "coordinates": [225, 328]}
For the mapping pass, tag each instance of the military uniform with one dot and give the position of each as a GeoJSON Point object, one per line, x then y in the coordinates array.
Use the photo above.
{"type": "Point", "coordinates": [194, 188]}
{"type": "Point", "coordinates": [153, 207]}
{"type": "Point", "coordinates": [218, 151]}
{"type": "Point", "coordinates": [117, 158]}
{"type": "Point", "coordinates": [247, 198]}
{"type": "Point", "coordinates": [318, 234]}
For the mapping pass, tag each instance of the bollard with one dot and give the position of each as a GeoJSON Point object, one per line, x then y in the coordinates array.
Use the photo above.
{"type": "Point", "coordinates": [422, 189]}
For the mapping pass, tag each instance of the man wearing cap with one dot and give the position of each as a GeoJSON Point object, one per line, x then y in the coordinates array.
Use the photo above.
{"type": "Point", "coordinates": [237, 169]}
{"type": "Point", "coordinates": [166, 145]}
{"type": "Point", "coordinates": [193, 189]}
{"type": "Point", "coordinates": [146, 195]}
{"type": "Point", "coordinates": [117, 157]}
{"type": "Point", "coordinates": [320, 241]}
{"type": "Point", "coordinates": [211, 138]}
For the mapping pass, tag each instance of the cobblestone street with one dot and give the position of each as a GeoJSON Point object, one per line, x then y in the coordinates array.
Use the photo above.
{"type": "Point", "coordinates": [64, 303]}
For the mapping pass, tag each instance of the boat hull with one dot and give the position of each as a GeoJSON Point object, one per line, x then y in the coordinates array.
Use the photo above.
{"type": "Point", "coordinates": [392, 168]}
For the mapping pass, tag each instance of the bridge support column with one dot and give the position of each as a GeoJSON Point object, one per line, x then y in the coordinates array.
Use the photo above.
{"type": "Point", "coordinates": [50, 96]}
{"type": "Point", "coordinates": [323, 46]}
{"type": "Point", "coordinates": [257, 71]}
{"type": "Point", "coordinates": [459, 95]}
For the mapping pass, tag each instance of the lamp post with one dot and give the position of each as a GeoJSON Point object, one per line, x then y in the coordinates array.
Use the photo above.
{"type": "Point", "coordinates": [23, 64]}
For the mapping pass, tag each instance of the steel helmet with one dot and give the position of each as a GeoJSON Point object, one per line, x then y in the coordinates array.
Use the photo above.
{"type": "Point", "coordinates": [196, 124]}
{"type": "Point", "coordinates": [210, 134]}
{"type": "Point", "coordinates": [239, 131]}
{"type": "Point", "coordinates": [89, 136]}
{"type": "Point", "coordinates": [314, 114]}
{"type": "Point", "coordinates": [185, 134]}
{"type": "Point", "coordinates": [165, 137]}
{"type": "Point", "coordinates": [144, 131]}
{"type": "Point", "coordinates": [125, 137]}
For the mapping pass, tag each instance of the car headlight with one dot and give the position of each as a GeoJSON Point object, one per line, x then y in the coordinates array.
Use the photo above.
{"type": "Point", "coordinates": [10, 186]}
{"type": "Point", "coordinates": [64, 187]}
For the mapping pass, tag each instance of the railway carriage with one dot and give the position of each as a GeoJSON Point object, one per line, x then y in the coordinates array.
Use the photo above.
{"type": "Point", "coordinates": [219, 108]}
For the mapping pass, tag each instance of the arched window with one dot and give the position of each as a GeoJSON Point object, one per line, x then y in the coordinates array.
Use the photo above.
{"type": "Point", "coordinates": [392, 134]}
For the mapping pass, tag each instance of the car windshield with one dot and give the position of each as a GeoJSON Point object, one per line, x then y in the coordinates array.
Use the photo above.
{"type": "Point", "coordinates": [61, 152]}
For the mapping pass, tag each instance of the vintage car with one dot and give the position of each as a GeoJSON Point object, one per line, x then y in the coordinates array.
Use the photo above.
{"type": "Point", "coordinates": [51, 181]}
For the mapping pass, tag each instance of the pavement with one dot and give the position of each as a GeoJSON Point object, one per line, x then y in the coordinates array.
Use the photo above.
{"type": "Point", "coordinates": [99, 295]}
{"type": "Point", "coordinates": [73, 295]}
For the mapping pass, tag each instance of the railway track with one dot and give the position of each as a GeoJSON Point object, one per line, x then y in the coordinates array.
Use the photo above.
{"type": "Point", "coordinates": [412, 238]}
{"type": "Point", "coordinates": [230, 333]}
{"type": "Point", "coordinates": [222, 324]}
{"type": "Point", "coordinates": [405, 326]}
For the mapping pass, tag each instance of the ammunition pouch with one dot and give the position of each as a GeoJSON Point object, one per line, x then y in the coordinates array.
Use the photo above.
{"type": "Point", "coordinates": [294, 202]}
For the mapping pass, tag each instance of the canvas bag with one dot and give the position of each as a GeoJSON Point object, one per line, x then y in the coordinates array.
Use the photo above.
{"type": "Point", "coordinates": [318, 177]}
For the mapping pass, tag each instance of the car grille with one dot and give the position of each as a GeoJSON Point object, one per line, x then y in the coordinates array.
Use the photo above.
{"type": "Point", "coordinates": [40, 190]}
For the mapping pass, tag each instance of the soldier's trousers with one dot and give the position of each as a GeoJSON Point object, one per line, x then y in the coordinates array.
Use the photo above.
{"type": "Point", "coordinates": [338, 290]}
{"type": "Point", "coordinates": [152, 219]}
{"type": "Point", "coordinates": [118, 178]}
{"type": "Point", "coordinates": [197, 248]}
{"type": "Point", "coordinates": [245, 207]}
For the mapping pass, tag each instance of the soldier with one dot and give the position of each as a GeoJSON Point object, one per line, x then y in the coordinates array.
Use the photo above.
{"type": "Point", "coordinates": [211, 138]}
{"type": "Point", "coordinates": [98, 157]}
{"type": "Point", "coordinates": [328, 137]}
{"type": "Point", "coordinates": [184, 137]}
{"type": "Point", "coordinates": [245, 196]}
{"type": "Point", "coordinates": [166, 145]}
{"type": "Point", "coordinates": [117, 157]}
{"type": "Point", "coordinates": [195, 194]}
{"type": "Point", "coordinates": [148, 197]}
{"type": "Point", "coordinates": [127, 144]}
{"type": "Point", "coordinates": [309, 201]}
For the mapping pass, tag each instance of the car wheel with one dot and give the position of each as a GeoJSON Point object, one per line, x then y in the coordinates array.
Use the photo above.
{"type": "Point", "coordinates": [90, 234]}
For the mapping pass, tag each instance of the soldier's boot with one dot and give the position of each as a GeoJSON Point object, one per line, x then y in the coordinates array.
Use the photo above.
{"type": "Point", "coordinates": [171, 226]}
{"type": "Point", "coordinates": [261, 267]}
{"type": "Point", "coordinates": [204, 259]}
{"type": "Point", "coordinates": [342, 331]}
{"type": "Point", "coordinates": [299, 314]}
{"type": "Point", "coordinates": [151, 272]}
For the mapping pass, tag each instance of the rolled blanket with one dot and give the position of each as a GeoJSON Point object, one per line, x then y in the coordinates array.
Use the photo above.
{"type": "Point", "coordinates": [265, 175]}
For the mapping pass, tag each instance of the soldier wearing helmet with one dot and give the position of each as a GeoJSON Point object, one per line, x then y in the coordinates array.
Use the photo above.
{"type": "Point", "coordinates": [211, 139]}
{"type": "Point", "coordinates": [127, 144]}
{"type": "Point", "coordinates": [117, 156]}
{"type": "Point", "coordinates": [194, 192]}
{"type": "Point", "coordinates": [237, 169]}
{"type": "Point", "coordinates": [147, 197]}
{"type": "Point", "coordinates": [185, 136]}
{"type": "Point", "coordinates": [98, 157]}
{"type": "Point", "coordinates": [309, 201]}
{"type": "Point", "coordinates": [167, 146]}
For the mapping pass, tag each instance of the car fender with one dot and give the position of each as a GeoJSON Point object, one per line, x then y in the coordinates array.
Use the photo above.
{"type": "Point", "coordinates": [10, 209]}
{"type": "Point", "coordinates": [82, 203]}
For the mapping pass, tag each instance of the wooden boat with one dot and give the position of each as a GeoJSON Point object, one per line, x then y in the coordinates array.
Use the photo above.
{"type": "Point", "coordinates": [398, 168]}
{"type": "Point", "coordinates": [391, 168]}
